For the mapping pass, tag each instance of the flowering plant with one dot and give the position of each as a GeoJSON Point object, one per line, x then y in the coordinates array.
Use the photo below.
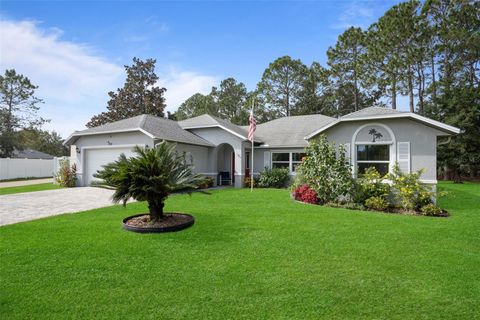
{"type": "Point", "coordinates": [305, 194]}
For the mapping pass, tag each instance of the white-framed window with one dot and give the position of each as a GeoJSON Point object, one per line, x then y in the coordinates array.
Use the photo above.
{"type": "Point", "coordinates": [289, 160]}
{"type": "Point", "coordinates": [296, 160]}
{"type": "Point", "coordinates": [373, 155]}
{"type": "Point", "coordinates": [280, 160]}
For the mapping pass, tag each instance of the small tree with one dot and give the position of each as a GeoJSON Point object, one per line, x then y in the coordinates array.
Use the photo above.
{"type": "Point", "coordinates": [151, 176]}
{"type": "Point", "coordinates": [18, 109]}
{"type": "Point", "coordinates": [326, 170]}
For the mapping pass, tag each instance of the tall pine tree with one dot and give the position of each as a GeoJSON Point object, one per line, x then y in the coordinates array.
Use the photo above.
{"type": "Point", "coordinates": [138, 96]}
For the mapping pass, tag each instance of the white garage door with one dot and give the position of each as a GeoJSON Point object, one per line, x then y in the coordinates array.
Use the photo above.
{"type": "Point", "coordinates": [96, 158]}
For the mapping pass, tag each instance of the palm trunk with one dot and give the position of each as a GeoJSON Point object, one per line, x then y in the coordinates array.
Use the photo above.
{"type": "Point", "coordinates": [156, 211]}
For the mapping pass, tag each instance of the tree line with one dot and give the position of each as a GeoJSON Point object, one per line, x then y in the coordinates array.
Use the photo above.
{"type": "Point", "coordinates": [428, 52]}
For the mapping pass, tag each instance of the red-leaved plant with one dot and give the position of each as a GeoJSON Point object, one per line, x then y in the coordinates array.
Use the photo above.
{"type": "Point", "coordinates": [305, 194]}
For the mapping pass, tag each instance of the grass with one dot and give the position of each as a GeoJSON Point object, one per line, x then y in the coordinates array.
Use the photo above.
{"type": "Point", "coordinates": [249, 255]}
{"type": "Point", "coordinates": [29, 188]}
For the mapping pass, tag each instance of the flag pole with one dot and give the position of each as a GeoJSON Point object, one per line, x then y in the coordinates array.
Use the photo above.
{"type": "Point", "coordinates": [253, 134]}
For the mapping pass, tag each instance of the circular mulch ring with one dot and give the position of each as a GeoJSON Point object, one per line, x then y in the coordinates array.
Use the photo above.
{"type": "Point", "coordinates": [171, 222]}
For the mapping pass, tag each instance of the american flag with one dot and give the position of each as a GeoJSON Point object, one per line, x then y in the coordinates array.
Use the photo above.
{"type": "Point", "coordinates": [252, 127]}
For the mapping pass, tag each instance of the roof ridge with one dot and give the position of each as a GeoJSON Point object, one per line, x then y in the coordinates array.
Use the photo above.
{"type": "Point", "coordinates": [297, 116]}
{"type": "Point", "coordinates": [143, 121]}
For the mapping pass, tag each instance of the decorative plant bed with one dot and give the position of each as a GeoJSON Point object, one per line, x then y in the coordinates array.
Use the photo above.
{"type": "Point", "coordinates": [356, 206]}
{"type": "Point", "coordinates": [171, 222]}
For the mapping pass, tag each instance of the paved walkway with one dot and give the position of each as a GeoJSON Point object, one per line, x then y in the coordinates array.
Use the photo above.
{"type": "Point", "coordinates": [34, 205]}
{"type": "Point", "coordinates": [18, 183]}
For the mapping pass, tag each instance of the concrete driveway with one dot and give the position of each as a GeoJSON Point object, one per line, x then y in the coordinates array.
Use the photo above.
{"type": "Point", "coordinates": [34, 205]}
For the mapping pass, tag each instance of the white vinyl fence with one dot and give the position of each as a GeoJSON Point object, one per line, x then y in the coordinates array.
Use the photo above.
{"type": "Point", "coordinates": [25, 168]}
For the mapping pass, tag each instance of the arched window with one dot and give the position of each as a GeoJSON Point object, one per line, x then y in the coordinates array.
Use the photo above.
{"type": "Point", "coordinates": [373, 145]}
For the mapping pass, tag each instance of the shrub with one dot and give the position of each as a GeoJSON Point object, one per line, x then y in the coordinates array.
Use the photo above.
{"type": "Point", "coordinates": [407, 189]}
{"type": "Point", "coordinates": [326, 171]}
{"type": "Point", "coordinates": [431, 210]}
{"type": "Point", "coordinates": [376, 203]}
{"type": "Point", "coordinates": [247, 182]}
{"type": "Point", "coordinates": [305, 194]}
{"type": "Point", "coordinates": [371, 185]}
{"type": "Point", "coordinates": [274, 178]}
{"type": "Point", "coordinates": [207, 183]}
{"type": "Point", "coordinates": [67, 175]}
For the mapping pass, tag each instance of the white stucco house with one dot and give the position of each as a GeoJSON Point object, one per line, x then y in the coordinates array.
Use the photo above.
{"type": "Point", "coordinates": [373, 137]}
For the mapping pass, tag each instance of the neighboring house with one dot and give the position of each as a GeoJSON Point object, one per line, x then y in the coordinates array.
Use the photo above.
{"type": "Point", "coordinates": [31, 154]}
{"type": "Point", "coordinates": [373, 137]}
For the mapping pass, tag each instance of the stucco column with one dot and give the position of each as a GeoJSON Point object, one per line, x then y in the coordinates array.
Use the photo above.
{"type": "Point", "coordinates": [239, 167]}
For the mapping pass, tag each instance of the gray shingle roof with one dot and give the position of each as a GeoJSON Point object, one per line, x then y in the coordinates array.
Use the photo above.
{"type": "Point", "coordinates": [290, 131]}
{"type": "Point", "coordinates": [31, 154]}
{"type": "Point", "coordinates": [371, 111]}
{"type": "Point", "coordinates": [159, 128]}
{"type": "Point", "coordinates": [206, 120]}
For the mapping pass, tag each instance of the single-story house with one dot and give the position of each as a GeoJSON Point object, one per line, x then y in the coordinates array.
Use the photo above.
{"type": "Point", "coordinates": [373, 137]}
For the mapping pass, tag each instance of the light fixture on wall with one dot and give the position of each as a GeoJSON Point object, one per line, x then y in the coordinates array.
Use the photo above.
{"type": "Point", "coordinates": [78, 150]}
{"type": "Point", "coordinates": [109, 142]}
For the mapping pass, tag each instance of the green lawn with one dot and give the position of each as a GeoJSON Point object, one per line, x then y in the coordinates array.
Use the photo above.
{"type": "Point", "coordinates": [250, 255]}
{"type": "Point", "coordinates": [29, 188]}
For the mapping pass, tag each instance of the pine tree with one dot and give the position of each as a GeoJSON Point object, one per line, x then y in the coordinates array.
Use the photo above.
{"type": "Point", "coordinates": [138, 96]}
{"type": "Point", "coordinates": [18, 109]}
{"type": "Point", "coordinates": [347, 63]}
{"type": "Point", "coordinates": [281, 84]}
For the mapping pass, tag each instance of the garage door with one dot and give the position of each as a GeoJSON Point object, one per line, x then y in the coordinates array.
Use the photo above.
{"type": "Point", "coordinates": [96, 158]}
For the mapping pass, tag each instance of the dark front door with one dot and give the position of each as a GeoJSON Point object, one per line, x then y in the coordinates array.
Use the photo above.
{"type": "Point", "coordinates": [247, 164]}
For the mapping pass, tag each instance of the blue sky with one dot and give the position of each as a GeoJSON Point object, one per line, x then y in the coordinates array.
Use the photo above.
{"type": "Point", "coordinates": [75, 50]}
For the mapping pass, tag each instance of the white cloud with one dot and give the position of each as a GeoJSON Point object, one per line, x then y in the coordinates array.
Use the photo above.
{"type": "Point", "coordinates": [73, 79]}
{"type": "Point", "coordinates": [355, 15]}
{"type": "Point", "coordinates": [183, 84]}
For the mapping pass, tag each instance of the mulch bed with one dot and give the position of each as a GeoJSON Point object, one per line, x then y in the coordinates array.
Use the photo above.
{"type": "Point", "coordinates": [170, 222]}
{"type": "Point", "coordinates": [444, 213]}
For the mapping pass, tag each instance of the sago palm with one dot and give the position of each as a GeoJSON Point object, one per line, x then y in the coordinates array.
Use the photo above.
{"type": "Point", "coordinates": [152, 175]}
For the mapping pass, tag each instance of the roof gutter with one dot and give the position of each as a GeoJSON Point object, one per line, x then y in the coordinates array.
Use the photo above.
{"type": "Point", "coordinates": [81, 134]}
